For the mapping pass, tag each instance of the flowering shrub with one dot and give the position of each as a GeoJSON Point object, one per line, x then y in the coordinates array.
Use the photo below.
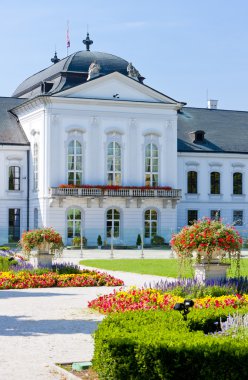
{"type": "Point", "coordinates": [26, 279]}
{"type": "Point", "coordinates": [191, 288]}
{"type": "Point", "coordinates": [147, 299]}
{"type": "Point", "coordinates": [207, 236]}
{"type": "Point", "coordinates": [34, 238]}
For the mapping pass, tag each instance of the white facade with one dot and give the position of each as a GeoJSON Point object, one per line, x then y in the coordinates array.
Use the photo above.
{"type": "Point", "coordinates": [228, 204]}
{"type": "Point", "coordinates": [92, 119]}
{"type": "Point", "coordinates": [112, 130]}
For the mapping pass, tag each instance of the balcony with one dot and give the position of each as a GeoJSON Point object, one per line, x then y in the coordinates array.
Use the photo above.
{"type": "Point", "coordinates": [124, 192]}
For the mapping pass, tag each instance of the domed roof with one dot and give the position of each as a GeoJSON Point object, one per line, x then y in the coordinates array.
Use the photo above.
{"type": "Point", "coordinates": [69, 72]}
{"type": "Point", "coordinates": [109, 63]}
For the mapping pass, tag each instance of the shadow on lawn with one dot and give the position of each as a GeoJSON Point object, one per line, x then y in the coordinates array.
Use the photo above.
{"type": "Point", "coordinates": [20, 326]}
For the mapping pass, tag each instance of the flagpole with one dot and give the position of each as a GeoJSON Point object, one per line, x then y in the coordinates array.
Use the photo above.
{"type": "Point", "coordinates": [68, 42]}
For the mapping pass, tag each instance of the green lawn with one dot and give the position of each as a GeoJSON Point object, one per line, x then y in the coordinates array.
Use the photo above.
{"type": "Point", "coordinates": [158, 267]}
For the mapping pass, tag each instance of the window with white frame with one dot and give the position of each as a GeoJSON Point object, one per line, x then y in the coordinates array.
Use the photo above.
{"type": "Point", "coordinates": [151, 165]}
{"type": "Point", "coordinates": [14, 177]}
{"type": "Point", "coordinates": [151, 223]}
{"type": "Point", "coordinates": [215, 214]}
{"type": "Point", "coordinates": [215, 182]}
{"type": "Point", "coordinates": [238, 217]}
{"type": "Point", "coordinates": [237, 183]}
{"type": "Point", "coordinates": [192, 216]}
{"type": "Point", "coordinates": [14, 224]}
{"type": "Point", "coordinates": [36, 166]}
{"type": "Point", "coordinates": [74, 220]}
{"type": "Point", "coordinates": [113, 219]}
{"type": "Point", "coordinates": [192, 182]}
{"type": "Point", "coordinates": [36, 216]}
{"type": "Point", "coordinates": [114, 163]}
{"type": "Point", "coordinates": [74, 163]}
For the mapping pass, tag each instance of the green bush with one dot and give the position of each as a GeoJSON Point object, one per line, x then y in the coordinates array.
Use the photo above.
{"type": "Point", "coordinates": [157, 240]}
{"type": "Point", "coordinates": [152, 345]}
{"type": "Point", "coordinates": [76, 241]}
{"type": "Point", "coordinates": [138, 241]}
{"type": "Point", "coordinates": [4, 264]}
{"type": "Point", "coordinates": [4, 248]}
{"type": "Point", "coordinates": [99, 241]}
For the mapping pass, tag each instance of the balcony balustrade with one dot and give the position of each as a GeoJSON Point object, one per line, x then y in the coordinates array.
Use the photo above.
{"type": "Point", "coordinates": [122, 192]}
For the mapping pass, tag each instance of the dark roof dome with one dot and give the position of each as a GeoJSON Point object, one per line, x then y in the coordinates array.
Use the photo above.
{"type": "Point", "coordinates": [109, 63]}
{"type": "Point", "coordinates": [69, 72]}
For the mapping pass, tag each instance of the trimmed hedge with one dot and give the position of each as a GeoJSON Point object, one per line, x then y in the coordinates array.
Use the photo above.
{"type": "Point", "coordinates": [152, 345]}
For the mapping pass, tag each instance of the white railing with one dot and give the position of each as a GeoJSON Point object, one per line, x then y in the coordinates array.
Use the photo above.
{"type": "Point", "coordinates": [98, 192]}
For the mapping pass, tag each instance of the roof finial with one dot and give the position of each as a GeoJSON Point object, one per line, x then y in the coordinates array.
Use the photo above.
{"type": "Point", "coordinates": [55, 59]}
{"type": "Point", "coordinates": [88, 42]}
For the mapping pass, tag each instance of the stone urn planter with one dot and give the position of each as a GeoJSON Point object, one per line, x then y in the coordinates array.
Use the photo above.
{"type": "Point", "coordinates": [207, 242]}
{"type": "Point", "coordinates": [43, 256]}
{"type": "Point", "coordinates": [40, 246]}
{"type": "Point", "coordinates": [210, 266]}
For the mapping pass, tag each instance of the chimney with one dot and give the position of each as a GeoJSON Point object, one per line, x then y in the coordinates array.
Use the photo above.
{"type": "Point", "coordinates": [212, 104]}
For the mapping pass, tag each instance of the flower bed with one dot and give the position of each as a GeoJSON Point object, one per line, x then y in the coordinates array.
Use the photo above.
{"type": "Point", "coordinates": [147, 299]}
{"type": "Point", "coordinates": [26, 279]}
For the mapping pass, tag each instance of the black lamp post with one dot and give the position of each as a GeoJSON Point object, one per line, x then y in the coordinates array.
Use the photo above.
{"type": "Point", "coordinates": [184, 308]}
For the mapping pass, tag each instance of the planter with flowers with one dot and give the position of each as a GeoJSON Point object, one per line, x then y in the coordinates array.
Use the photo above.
{"type": "Point", "coordinates": [209, 242]}
{"type": "Point", "coordinates": [45, 241]}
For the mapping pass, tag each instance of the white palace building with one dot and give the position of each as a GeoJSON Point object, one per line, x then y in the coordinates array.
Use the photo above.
{"type": "Point", "coordinates": [86, 146]}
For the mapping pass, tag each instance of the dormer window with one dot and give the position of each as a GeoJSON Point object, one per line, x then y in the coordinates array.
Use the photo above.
{"type": "Point", "coordinates": [199, 136]}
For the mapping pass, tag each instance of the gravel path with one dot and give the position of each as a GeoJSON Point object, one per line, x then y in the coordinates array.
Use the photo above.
{"type": "Point", "coordinates": [43, 326]}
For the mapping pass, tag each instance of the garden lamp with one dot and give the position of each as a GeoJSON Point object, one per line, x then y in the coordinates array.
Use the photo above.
{"type": "Point", "coordinates": [184, 307]}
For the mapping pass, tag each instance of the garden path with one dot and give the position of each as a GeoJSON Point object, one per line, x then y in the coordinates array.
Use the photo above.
{"type": "Point", "coordinates": [43, 326]}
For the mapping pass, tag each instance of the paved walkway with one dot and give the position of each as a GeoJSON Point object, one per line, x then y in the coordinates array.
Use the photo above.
{"type": "Point", "coordinates": [43, 326]}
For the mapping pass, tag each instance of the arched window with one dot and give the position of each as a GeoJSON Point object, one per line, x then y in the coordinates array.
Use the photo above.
{"type": "Point", "coordinates": [35, 218]}
{"type": "Point", "coordinates": [192, 182]}
{"type": "Point", "coordinates": [151, 165]}
{"type": "Point", "coordinates": [237, 183]}
{"type": "Point", "coordinates": [36, 166]}
{"type": "Point", "coordinates": [74, 220]}
{"type": "Point", "coordinates": [151, 223]}
{"type": "Point", "coordinates": [215, 183]}
{"type": "Point", "coordinates": [74, 163]}
{"type": "Point", "coordinates": [113, 223]}
{"type": "Point", "coordinates": [14, 177]}
{"type": "Point", "coordinates": [114, 163]}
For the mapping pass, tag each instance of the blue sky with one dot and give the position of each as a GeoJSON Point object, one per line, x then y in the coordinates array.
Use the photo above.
{"type": "Point", "coordinates": [183, 48]}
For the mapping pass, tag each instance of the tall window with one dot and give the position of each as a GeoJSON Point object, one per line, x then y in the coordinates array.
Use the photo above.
{"type": "Point", "coordinates": [114, 163]}
{"type": "Point", "coordinates": [237, 183]}
{"type": "Point", "coordinates": [151, 165]}
{"type": "Point", "coordinates": [215, 183]}
{"type": "Point", "coordinates": [36, 164]}
{"type": "Point", "coordinates": [192, 182]}
{"type": "Point", "coordinates": [14, 225]}
{"type": "Point", "coordinates": [113, 223]}
{"type": "Point", "coordinates": [35, 218]}
{"type": "Point", "coordinates": [14, 177]}
{"type": "Point", "coordinates": [74, 163]}
{"type": "Point", "coordinates": [73, 223]}
{"type": "Point", "coordinates": [192, 216]}
{"type": "Point", "coordinates": [151, 223]}
{"type": "Point", "coordinates": [238, 217]}
{"type": "Point", "coordinates": [215, 214]}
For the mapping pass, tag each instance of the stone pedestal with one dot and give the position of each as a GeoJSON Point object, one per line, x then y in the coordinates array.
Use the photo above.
{"type": "Point", "coordinates": [210, 271]}
{"type": "Point", "coordinates": [42, 258]}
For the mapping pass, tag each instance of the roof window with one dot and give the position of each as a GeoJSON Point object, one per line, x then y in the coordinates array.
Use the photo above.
{"type": "Point", "coordinates": [198, 136]}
